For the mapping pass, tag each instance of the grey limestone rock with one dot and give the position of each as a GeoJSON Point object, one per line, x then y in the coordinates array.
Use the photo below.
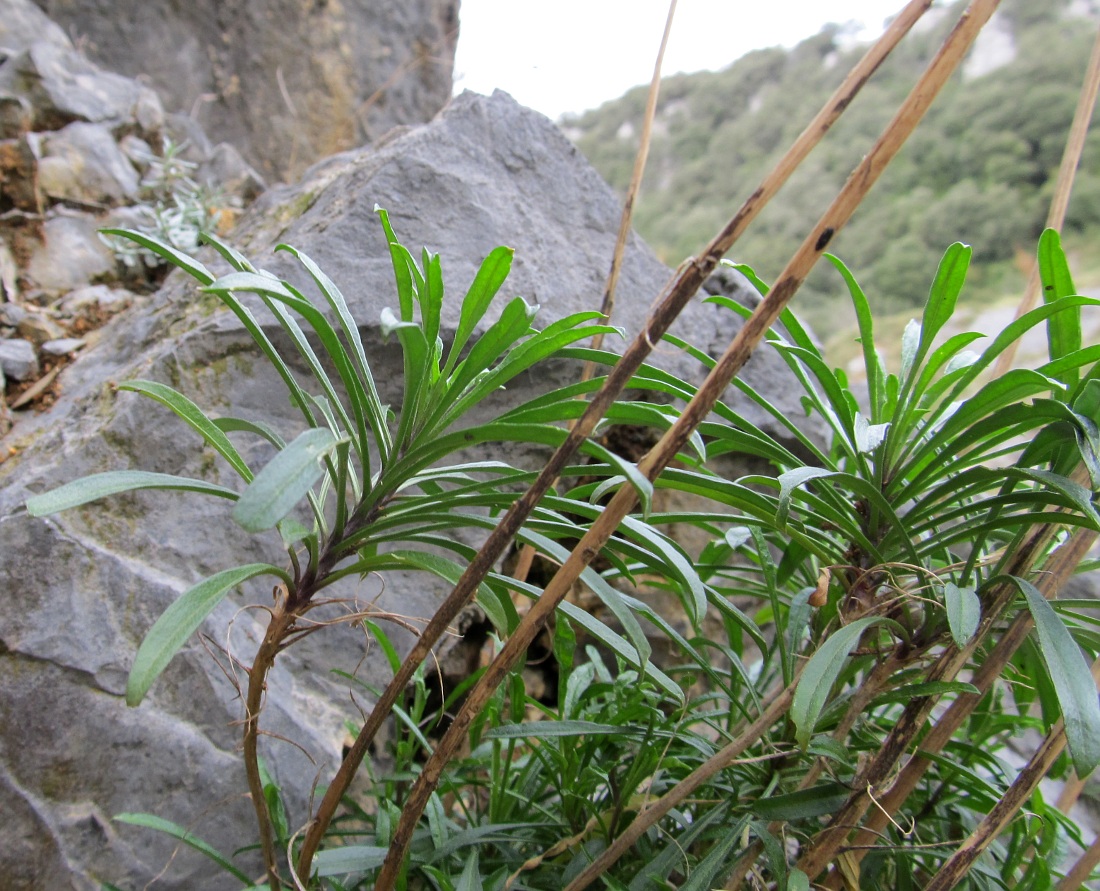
{"type": "Point", "coordinates": [23, 23]}
{"type": "Point", "coordinates": [62, 346]}
{"type": "Point", "coordinates": [18, 359]}
{"type": "Point", "coordinates": [82, 162]}
{"type": "Point", "coordinates": [71, 254]}
{"type": "Point", "coordinates": [285, 82]}
{"type": "Point", "coordinates": [82, 588]}
{"type": "Point", "coordinates": [63, 86]}
{"type": "Point", "coordinates": [16, 116]}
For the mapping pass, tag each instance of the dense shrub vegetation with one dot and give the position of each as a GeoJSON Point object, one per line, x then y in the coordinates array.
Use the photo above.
{"type": "Point", "coordinates": [981, 163]}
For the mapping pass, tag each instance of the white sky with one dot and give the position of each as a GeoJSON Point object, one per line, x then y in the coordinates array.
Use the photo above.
{"type": "Point", "coordinates": [561, 56]}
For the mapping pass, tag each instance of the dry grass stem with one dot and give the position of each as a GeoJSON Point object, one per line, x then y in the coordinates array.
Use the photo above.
{"type": "Point", "coordinates": [679, 290]}
{"type": "Point", "coordinates": [1063, 187]}
{"type": "Point", "coordinates": [674, 439]}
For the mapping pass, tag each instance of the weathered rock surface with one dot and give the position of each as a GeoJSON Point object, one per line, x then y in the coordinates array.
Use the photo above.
{"type": "Point", "coordinates": [291, 82]}
{"type": "Point", "coordinates": [82, 148]}
{"type": "Point", "coordinates": [62, 86]}
{"type": "Point", "coordinates": [86, 585]}
{"type": "Point", "coordinates": [82, 162]}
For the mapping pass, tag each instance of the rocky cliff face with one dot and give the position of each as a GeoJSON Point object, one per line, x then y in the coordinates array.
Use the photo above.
{"type": "Point", "coordinates": [285, 81]}
{"type": "Point", "coordinates": [81, 589]}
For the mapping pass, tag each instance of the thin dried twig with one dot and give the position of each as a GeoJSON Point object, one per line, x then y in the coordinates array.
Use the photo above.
{"type": "Point", "coordinates": [527, 553]}
{"type": "Point", "coordinates": [608, 305]}
{"type": "Point", "coordinates": [1071, 157]}
{"type": "Point", "coordinates": [675, 438]}
{"type": "Point", "coordinates": [679, 290]}
{"type": "Point", "coordinates": [999, 816]}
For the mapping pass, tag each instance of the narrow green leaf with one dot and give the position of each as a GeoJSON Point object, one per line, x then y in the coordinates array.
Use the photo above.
{"type": "Point", "coordinates": [553, 729]}
{"type": "Point", "coordinates": [1072, 680]}
{"type": "Point", "coordinates": [431, 296]}
{"type": "Point", "coordinates": [336, 300]}
{"type": "Point", "coordinates": [709, 872]}
{"type": "Point", "coordinates": [177, 623]}
{"type": "Point", "coordinates": [629, 472]}
{"type": "Point", "coordinates": [872, 363]}
{"type": "Point", "coordinates": [177, 258]}
{"type": "Point", "coordinates": [348, 859]}
{"type": "Point", "coordinates": [149, 821]}
{"type": "Point", "coordinates": [964, 612]}
{"type": "Point", "coordinates": [231, 255]}
{"type": "Point", "coordinates": [755, 280]}
{"type": "Point", "coordinates": [676, 565]}
{"type": "Point", "coordinates": [444, 568]}
{"type": "Point", "coordinates": [258, 428]}
{"type": "Point", "coordinates": [279, 297]}
{"type": "Point", "coordinates": [490, 276]}
{"type": "Point", "coordinates": [470, 880]}
{"type": "Point", "coordinates": [273, 795]}
{"type": "Point", "coordinates": [868, 436]}
{"type": "Point", "coordinates": [950, 277]}
{"type": "Point", "coordinates": [400, 267]}
{"type": "Point", "coordinates": [792, 480]}
{"type": "Point", "coordinates": [1063, 328]}
{"type": "Point", "coordinates": [803, 804]}
{"type": "Point", "coordinates": [514, 323]}
{"type": "Point", "coordinates": [930, 688]}
{"type": "Point", "coordinates": [819, 675]}
{"type": "Point", "coordinates": [284, 481]}
{"type": "Point", "coordinates": [113, 482]}
{"type": "Point", "coordinates": [194, 417]}
{"type": "Point", "coordinates": [388, 649]}
{"type": "Point", "coordinates": [618, 645]}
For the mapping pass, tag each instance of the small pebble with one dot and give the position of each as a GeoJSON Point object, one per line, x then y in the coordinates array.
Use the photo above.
{"type": "Point", "coordinates": [62, 346]}
{"type": "Point", "coordinates": [39, 329]}
{"type": "Point", "coordinates": [18, 359]}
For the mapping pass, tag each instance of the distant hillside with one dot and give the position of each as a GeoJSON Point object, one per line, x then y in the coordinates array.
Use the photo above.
{"type": "Point", "coordinates": [980, 169]}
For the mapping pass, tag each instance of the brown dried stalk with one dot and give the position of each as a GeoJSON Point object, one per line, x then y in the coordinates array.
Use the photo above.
{"type": "Point", "coordinates": [675, 438]}
{"type": "Point", "coordinates": [608, 305]}
{"type": "Point", "coordinates": [1056, 570]}
{"type": "Point", "coordinates": [1004, 810]}
{"type": "Point", "coordinates": [1071, 157]}
{"type": "Point", "coordinates": [679, 290]}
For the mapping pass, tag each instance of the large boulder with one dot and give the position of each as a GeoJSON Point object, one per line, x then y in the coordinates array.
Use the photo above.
{"type": "Point", "coordinates": [286, 82]}
{"type": "Point", "coordinates": [83, 587]}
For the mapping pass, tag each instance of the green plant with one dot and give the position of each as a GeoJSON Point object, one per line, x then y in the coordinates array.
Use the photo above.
{"type": "Point", "coordinates": [898, 566]}
{"type": "Point", "coordinates": [379, 495]}
{"type": "Point", "coordinates": [870, 571]}
{"type": "Point", "coordinates": [175, 208]}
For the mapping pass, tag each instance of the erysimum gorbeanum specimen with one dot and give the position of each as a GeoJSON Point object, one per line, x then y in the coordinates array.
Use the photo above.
{"type": "Point", "coordinates": [380, 491]}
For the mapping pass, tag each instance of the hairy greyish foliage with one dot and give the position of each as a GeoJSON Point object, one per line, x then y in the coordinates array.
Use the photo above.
{"type": "Point", "coordinates": [834, 591]}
